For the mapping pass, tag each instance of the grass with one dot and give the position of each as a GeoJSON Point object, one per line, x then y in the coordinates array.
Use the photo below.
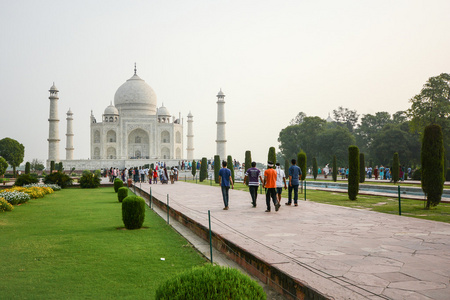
{"type": "Point", "coordinates": [72, 244]}
{"type": "Point", "coordinates": [410, 208]}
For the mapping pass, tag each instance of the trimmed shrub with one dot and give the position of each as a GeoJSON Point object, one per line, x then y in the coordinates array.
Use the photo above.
{"type": "Point", "coordinates": [417, 174]}
{"type": "Point", "coordinates": [272, 155]}
{"type": "Point", "coordinates": [362, 168]}
{"type": "Point", "coordinates": [432, 161]}
{"type": "Point", "coordinates": [5, 205]}
{"type": "Point", "coordinates": [204, 169]}
{"type": "Point", "coordinates": [194, 168]}
{"type": "Point", "coordinates": [52, 166]}
{"type": "Point", "coordinates": [286, 167]}
{"type": "Point", "coordinates": [447, 175]}
{"type": "Point", "coordinates": [122, 193]}
{"type": "Point", "coordinates": [395, 168]}
{"type": "Point", "coordinates": [25, 179]}
{"type": "Point", "coordinates": [216, 168]}
{"type": "Point", "coordinates": [248, 160]}
{"type": "Point", "coordinates": [210, 282]}
{"type": "Point", "coordinates": [315, 168]}
{"type": "Point", "coordinates": [27, 168]}
{"type": "Point", "coordinates": [353, 172]}
{"type": "Point", "coordinates": [3, 166]}
{"type": "Point", "coordinates": [230, 166]}
{"type": "Point", "coordinates": [133, 212]}
{"type": "Point", "coordinates": [89, 180]}
{"type": "Point", "coordinates": [58, 178]}
{"type": "Point", "coordinates": [301, 162]}
{"type": "Point", "coordinates": [118, 183]}
{"type": "Point", "coordinates": [335, 169]}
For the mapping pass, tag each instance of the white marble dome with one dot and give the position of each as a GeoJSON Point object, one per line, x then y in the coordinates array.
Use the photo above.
{"type": "Point", "coordinates": [111, 110]}
{"type": "Point", "coordinates": [135, 97]}
{"type": "Point", "coordinates": [163, 111]}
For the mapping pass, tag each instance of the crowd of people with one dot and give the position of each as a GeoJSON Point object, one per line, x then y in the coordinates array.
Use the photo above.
{"type": "Point", "coordinates": [144, 174]}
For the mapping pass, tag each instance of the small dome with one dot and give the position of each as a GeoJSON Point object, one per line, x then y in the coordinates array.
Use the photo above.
{"type": "Point", "coordinates": [220, 93]}
{"type": "Point", "coordinates": [135, 97]}
{"type": "Point", "coordinates": [53, 88]}
{"type": "Point", "coordinates": [163, 111]}
{"type": "Point", "coordinates": [111, 110]}
{"type": "Point", "coordinates": [190, 115]}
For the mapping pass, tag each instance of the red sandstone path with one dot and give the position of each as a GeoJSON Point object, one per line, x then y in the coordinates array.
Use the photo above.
{"type": "Point", "coordinates": [341, 252]}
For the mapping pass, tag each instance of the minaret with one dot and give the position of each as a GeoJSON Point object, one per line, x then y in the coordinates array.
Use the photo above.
{"type": "Point", "coordinates": [53, 132]}
{"type": "Point", "coordinates": [190, 137]}
{"type": "Point", "coordinates": [221, 142]}
{"type": "Point", "coordinates": [69, 136]}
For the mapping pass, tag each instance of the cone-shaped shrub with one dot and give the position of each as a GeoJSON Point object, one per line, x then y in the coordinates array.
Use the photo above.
{"type": "Point", "coordinates": [286, 167]}
{"type": "Point", "coordinates": [122, 193]}
{"type": "Point", "coordinates": [204, 169]}
{"type": "Point", "coordinates": [272, 155]}
{"type": "Point", "coordinates": [335, 169]}
{"type": "Point", "coordinates": [210, 282]}
{"type": "Point", "coordinates": [353, 172]}
{"type": "Point", "coordinates": [395, 168]}
{"type": "Point", "coordinates": [216, 168]}
{"type": "Point", "coordinates": [133, 212]}
{"type": "Point", "coordinates": [194, 168]}
{"type": "Point", "coordinates": [301, 162]}
{"type": "Point", "coordinates": [432, 160]}
{"type": "Point", "coordinates": [117, 184]}
{"type": "Point", "coordinates": [248, 160]}
{"type": "Point", "coordinates": [27, 168]}
{"type": "Point", "coordinates": [362, 168]}
{"type": "Point", "coordinates": [315, 169]}
{"type": "Point", "coordinates": [230, 166]}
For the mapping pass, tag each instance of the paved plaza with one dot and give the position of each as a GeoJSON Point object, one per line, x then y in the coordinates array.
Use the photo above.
{"type": "Point", "coordinates": [342, 253]}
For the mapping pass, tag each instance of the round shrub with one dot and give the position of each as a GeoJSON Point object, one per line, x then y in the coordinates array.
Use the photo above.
{"type": "Point", "coordinates": [122, 193]}
{"type": "Point", "coordinates": [417, 174]}
{"type": "Point", "coordinates": [59, 178]}
{"type": "Point", "coordinates": [89, 181]}
{"type": "Point", "coordinates": [117, 184]}
{"type": "Point", "coordinates": [133, 212]}
{"type": "Point", "coordinates": [25, 179]}
{"type": "Point", "coordinates": [210, 282]}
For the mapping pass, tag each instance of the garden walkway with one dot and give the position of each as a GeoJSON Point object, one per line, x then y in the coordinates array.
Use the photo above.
{"type": "Point", "coordinates": [321, 250]}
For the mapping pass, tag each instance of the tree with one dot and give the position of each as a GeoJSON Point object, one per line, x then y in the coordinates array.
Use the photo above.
{"type": "Point", "coordinates": [335, 169]}
{"type": "Point", "coordinates": [12, 151]}
{"type": "Point", "coordinates": [298, 118]}
{"type": "Point", "coordinates": [272, 155]}
{"type": "Point", "coordinates": [3, 166]}
{"type": "Point", "coordinates": [230, 166]}
{"type": "Point", "coordinates": [353, 172]}
{"type": "Point", "coordinates": [334, 141]}
{"type": "Point", "coordinates": [60, 166]}
{"type": "Point", "coordinates": [346, 117]}
{"type": "Point", "coordinates": [395, 167]}
{"type": "Point", "coordinates": [369, 127]}
{"type": "Point", "coordinates": [216, 168]}
{"type": "Point", "coordinates": [315, 169]}
{"type": "Point", "coordinates": [301, 159]}
{"type": "Point", "coordinates": [362, 168]}
{"type": "Point", "coordinates": [432, 159]}
{"type": "Point", "coordinates": [203, 169]}
{"type": "Point", "coordinates": [194, 168]}
{"type": "Point", "coordinates": [37, 165]}
{"type": "Point", "coordinates": [27, 168]}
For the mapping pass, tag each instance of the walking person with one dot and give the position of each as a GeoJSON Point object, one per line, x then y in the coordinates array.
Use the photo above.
{"type": "Point", "coordinates": [225, 180]}
{"type": "Point", "coordinates": [295, 175]}
{"type": "Point", "coordinates": [270, 184]}
{"type": "Point", "coordinates": [281, 181]}
{"type": "Point", "coordinates": [253, 175]}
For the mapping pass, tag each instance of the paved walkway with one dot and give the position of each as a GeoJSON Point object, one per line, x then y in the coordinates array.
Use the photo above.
{"type": "Point", "coordinates": [341, 252]}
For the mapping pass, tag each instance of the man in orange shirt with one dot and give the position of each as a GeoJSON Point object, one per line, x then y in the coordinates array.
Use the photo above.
{"type": "Point", "coordinates": [270, 184]}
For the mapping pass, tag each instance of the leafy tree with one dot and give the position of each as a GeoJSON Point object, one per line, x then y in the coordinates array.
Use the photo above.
{"type": "Point", "coordinates": [298, 118]}
{"type": "Point", "coordinates": [432, 159]}
{"type": "Point", "coordinates": [315, 169]}
{"type": "Point", "coordinates": [346, 117]}
{"type": "Point", "coordinates": [334, 141]}
{"type": "Point", "coordinates": [272, 156]}
{"type": "Point", "coordinates": [353, 172]}
{"type": "Point", "coordinates": [203, 169]}
{"type": "Point", "coordinates": [3, 166]}
{"type": "Point", "coordinates": [194, 168]}
{"type": "Point", "coordinates": [37, 165]}
{"type": "Point", "coordinates": [395, 168]}
{"type": "Point", "coordinates": [216, 168]}
{"type": "Point", "coordinates": [369, 127]}
{"type": "Point", "coordinates": [301, 161]}
{"type": "Point", "coordinates": [335, 169]}
{"type": "Point", "coordinates": [12, 151]}
{"type": "Point", "coordinates": [230, 166]}
{"type": "Point", "coordinates": [362, 168]}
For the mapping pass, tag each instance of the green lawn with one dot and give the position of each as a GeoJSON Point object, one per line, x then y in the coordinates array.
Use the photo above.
{"type": "Point", "coordinates": [72, 244]}
{"type": "Point", "coordinates": [411, 208]}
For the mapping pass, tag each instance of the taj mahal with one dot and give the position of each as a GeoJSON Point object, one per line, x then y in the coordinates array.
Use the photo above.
{"type": "Point", "coordinates": [131, 132]}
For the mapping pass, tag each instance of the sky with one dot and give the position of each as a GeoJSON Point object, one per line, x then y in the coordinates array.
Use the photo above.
{"type": "Point", "coordinates": [272, 59]}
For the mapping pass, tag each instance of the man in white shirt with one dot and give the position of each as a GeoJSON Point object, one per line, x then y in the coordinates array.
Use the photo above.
{"type": "Point", "coordinates": [281, 179]}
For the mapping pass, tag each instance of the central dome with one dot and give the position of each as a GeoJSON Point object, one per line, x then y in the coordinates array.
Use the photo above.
{"type": "Point", "coordinates": [135, 97]}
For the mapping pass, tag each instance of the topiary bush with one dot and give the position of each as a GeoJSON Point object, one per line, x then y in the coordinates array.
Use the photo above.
{"type": "Point", "coordinates": [301, 162]}
{"type": "Point", "coordinates": [362, 168]}
{"type": "Point", "coordinates": [27, 168]}
{"type": "Point", "coordinates": [417, 175]}
{"type": "Point", "coordinates": [216, 168]}
{"type": "Point", "coordinates": [395, 168]}
{"type": "Point", "coordinates": [117, 184]}
{"type": "Point", "coordinates": [210, 282]}
{"type": "Point", "coordinates": [230, 166]}
{"type": "Point", "coordinates": [335, 168]}
{"type": "Point", "coordinates": [58, 178]}
{"type": "Point", "coordinates": [315, 169]}
{"type": "Point", "coordinates": [194, 168]}
{"type": "Point", "coordinates": [133, 212]}
{"type": "Point", "coordinates": [272, 155]}
{"type": "Point", "coordinates": [89, 180]}
{"type": "Point", "coordinates": [122, 193]}
{"type": "Point", "coordinates": [203, 169]}
{"type": "Point", "coordinates": [25, 179]}
{"type": "Point", "coordinates": [353, 172]}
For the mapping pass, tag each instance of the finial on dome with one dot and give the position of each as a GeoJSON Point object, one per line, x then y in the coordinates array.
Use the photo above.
{"type": "Point", "coordinates": [135, 70]}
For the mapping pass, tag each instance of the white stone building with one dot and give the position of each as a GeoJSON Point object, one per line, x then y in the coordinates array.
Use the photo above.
{"type": "Point", "coordinates": [132, 132]}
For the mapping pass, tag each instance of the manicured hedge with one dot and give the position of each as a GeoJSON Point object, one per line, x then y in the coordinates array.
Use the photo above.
{"type": "Point", "coordinates": [353, 172]}
{"type": "Point", "coordinates": [117, 184]}
{"type": "Point", "coordinates": [133, 212]}
{"type": "Point", "coordinates": [122, 193]}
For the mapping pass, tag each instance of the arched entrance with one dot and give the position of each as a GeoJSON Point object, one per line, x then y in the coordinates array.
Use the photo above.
{"type": "Point", "coordinates": [138, 144]}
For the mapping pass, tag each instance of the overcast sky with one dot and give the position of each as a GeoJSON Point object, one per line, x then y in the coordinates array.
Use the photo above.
{"type": "Point", "coordinates": [272, 59]}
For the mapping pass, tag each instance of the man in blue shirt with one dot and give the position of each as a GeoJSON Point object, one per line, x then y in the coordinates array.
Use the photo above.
{"type": "Point", "coordinates": [295, 175]}
{"type": "Point", "coordinates": [225, 180]}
